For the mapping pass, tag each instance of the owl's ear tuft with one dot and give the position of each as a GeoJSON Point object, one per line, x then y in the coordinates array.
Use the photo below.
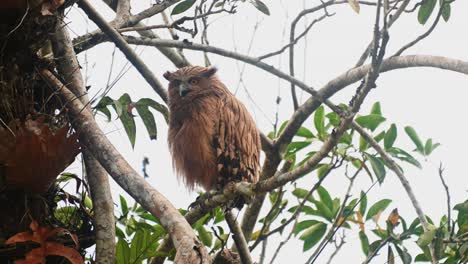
{"type": "Point", "coordinates": [167, 75]}
{"type": "Point", "coordinates": [210, 72]}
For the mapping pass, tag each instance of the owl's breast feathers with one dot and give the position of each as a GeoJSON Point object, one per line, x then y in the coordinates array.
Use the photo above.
{"type": "Point", "coordinates": [214, 142]}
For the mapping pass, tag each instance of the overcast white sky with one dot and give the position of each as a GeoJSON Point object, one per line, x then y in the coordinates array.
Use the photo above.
{"type": "Point", "coordinates": [431, 100]}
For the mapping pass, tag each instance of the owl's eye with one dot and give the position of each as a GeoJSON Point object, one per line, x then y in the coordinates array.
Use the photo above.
{"type": "Point", "coordinates": [194, 81]}
{"type": "Point", "coordinates": [175, 83]}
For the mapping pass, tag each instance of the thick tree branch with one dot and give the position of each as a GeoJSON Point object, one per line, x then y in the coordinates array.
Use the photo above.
{"type": "Point", "coordinates": [68, 68]}
{"type": "Point", "coordinates": [189, 248]}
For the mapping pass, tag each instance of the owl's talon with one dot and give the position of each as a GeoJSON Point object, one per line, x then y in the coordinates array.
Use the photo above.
{"type": "Point", "coordinates": [200, 200]}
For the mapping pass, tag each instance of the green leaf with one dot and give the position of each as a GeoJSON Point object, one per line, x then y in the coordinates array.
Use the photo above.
{"type": "Point", "coordinates": [325, 197]}
{"type": "Point", "coordinates": [429, 147]}
{"type": "Point", "coordinates": [123, 108]}
{"type": "Point", "coordinates": [323, 210]}
{"type": "Point", "coordinates": [283, 125]}
{"type": "Point", "coordinates": [363, 144]}
{"type": "Point", "coordinates": [446, 10]}
{"type": "Point", "coordinates": [426, 238]}
{"type": "Point", "coordinates": [363, 203]}
{"type": "Point", "coordinates": [376, 109]}
{"type": "Point", "coordinates": [123, 205]}
{"type": "Point", "coordinates": [205, 236]}
{"type": "Point", "coordinates": [380, 136]}
{"type": "Point", "coordinates": [148, 120]}
{"type": "Point", "coordinates": [425, 11]}
{"type": "Point", "coordinates": [319, 120]}
{"type": "Point", "coordinates": [303, 225]}
{"type": "Point", "coordinates": [304, 132]}
{"type": "Point", "coordinates": [122, 252]}
{"type": "Point", "coordinates": [403, 155]}
{"type": "Point", "coordinates": [390, 136]}
{"type": "Point", "coordinates": [371, 121]}
{"type": "Point", "coordinates": [102, 106]}
{"type": "Point", "coordinates": [333, 118]}
{"type": "Point", "coordinates": [300, 193]}
{"type": "Point", "coordinates": [403, 253]}
{"type": "Point", "coordinates": [377, 207]}
{"type": "Point", "coordinates": [364, 242]}
{"type": "Point", "coordinates": [261, 7]}
{"type": "Point", "coordinates": [312, 235]}
{"type": "Point", "coordinates": [138, 246]}
{"type": "Point", "coordinates": [377, 166]}
{"type": "Point", "coordinates": [415, 138]}
{"type": "Point", "coordinates": [294, 147]}
{"type": "Point", "coordinates": [322, 170]}
{"type": "Point", "coordinates": [156, 106]}
{"type": "Point", "coordinates": [182, 7]}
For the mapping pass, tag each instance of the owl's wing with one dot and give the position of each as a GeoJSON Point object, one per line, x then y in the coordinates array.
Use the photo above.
{"type": "Point", "coordinates": [236, 143]}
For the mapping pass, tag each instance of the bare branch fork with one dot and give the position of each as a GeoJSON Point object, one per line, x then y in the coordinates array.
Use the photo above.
{"type": "Point", "coordinates": [189, 248]}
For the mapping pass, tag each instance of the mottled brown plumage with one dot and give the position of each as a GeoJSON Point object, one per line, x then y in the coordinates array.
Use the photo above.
{"type": "Point", "coordinates": [212, 137]}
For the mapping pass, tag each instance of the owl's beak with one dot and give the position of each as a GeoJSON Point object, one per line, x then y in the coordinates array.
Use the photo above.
{"type": "Point", "coordinates": [183, 89]}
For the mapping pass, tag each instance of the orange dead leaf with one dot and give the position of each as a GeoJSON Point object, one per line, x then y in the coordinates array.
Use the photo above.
{"type": "Point", "coordinates": [40, 234]}
{"type": "Point", "coordinates": [394, 218]}
{"type": "Point", "coordinates": [33, 155]}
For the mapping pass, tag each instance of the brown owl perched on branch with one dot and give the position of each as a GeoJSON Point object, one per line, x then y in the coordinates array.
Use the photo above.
{"type": "Point", "coordinates": [212, 137]}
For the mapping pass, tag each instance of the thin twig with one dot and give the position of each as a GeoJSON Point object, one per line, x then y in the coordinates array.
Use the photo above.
{"type": "Point", "coordinates": [449, 217]}
{"type": "Point", "coordinates": [124, 47]}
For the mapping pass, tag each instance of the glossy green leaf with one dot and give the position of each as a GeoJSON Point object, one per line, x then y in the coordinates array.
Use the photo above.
{"type": "Point", "coordinates": [325, 197]}
{"type": "Point", "coordinates": [102, 107]}
{"type": "Point", "coordinates": [377, 207]}
{"type": "Point", "coordinates": [333, 118]}
{"type": "Point", "coordinates": [376, 109]}
{"type": "Point", "coordinates": [403, 253]}
{"type": "Point", "coordinates": [363, 144]}
{"type": "Point", "coordinates": [403, 155]}
{"type": "Point", "coordinates": [205, 236]}
{"type": "Point", "coordinates": [364, 242]}
{"type": "Point", "coordinates": [415, 138]}
{"type": "Point", "coordinates": [122, 252]}
{"type": "Point", "coordinates": [380, 136]}
{"type": "Point", "coordinates": [377, 166]}
{"type": "Point", "coordinates": [427, 237]}
{"type": "Point", "coordinates": [304, 132]}
{"type": "Point", "coordinates": [303, 225]}
{"type": "Point", "coordinates": [425, 10]}
{"type": "Point", "coordinates": [312, 235]}
{"type": "Point", "coordinates": [123, 205]}
{"type": "Point", "coordinates": [319, 120]}
{"type": "Point", "coordinates": [261, 7]}
{"type": "Point", "coordinates": [390, 136]}
{"type": "Point", "coordinates": [123, 108]}
{"type": "Point", "coordinates": [148, 120]}
{"type": "Point", "coordinates": [363, 203]}
{"type": "Point", "coordinates": [371, 121]}
{"type": "Point", "coordinates": [446, 10]}
{"type": "Point", "coordinates": [182, 7]}
{"type": "Point", "coordinates": [322, 170]}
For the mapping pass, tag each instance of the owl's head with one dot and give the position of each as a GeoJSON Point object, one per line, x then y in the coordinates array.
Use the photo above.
{"type": "Point", "coordinates": [189, 80]}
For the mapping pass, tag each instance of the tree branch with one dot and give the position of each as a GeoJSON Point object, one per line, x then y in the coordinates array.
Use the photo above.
{"type": "Point", "coordinates": [189, 248]}
{"type": "Point", "coordinates": [239, 239]}
{"type": "Point", "coordinates": [69, 69]}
